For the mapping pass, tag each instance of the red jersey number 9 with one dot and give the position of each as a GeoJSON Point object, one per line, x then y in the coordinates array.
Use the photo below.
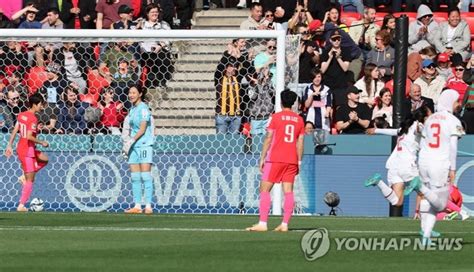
{"type": "Point", "coordinates": [289, 133]}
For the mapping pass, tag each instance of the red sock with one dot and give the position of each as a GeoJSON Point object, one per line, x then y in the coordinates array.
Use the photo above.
{"type": "Point", "coordinates": [265, 202]}
{"type": "Point", "coordinates": [288, 206]}
{"type": "Point", "coordinates": [440, 216]}
{"type": "Point", "coordinates": [26, 192]}
{"type": "Point", "coordinates": [453, 207]}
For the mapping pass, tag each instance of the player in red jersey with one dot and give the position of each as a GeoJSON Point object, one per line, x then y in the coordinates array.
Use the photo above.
{"type": "Point", "coordinates": [31, 159]}
{"type": "Point", "coordinates": [280, 160]}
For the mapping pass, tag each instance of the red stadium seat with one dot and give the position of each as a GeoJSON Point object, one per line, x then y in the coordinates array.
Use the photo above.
{"type": "Point", "coordinates": [441, 15]}
{"type": "Point", "coordinates": [469, 18]}
{"type": "Point", "coordinates": [379, 18]}
{"type": "Point", "coordinates": [348, 17]}
{"type": "Point", "coordinates": [35, 78]}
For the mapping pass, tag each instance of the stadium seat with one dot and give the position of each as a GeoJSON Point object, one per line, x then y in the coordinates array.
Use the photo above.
{"type": "Point", "coordinates": [379, 18]}
{"type": "Point", "coordinates": [35, 78]}
{"type": "Point", "coordinates": [469, 18]}
{"type": "Point", "coordinates": [348, 17]}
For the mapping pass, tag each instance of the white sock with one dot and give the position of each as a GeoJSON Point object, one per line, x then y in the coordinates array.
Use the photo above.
{"type": "Point", "coordinates": [148, 206]}
{"type": "Point", "coordinates": [388, 193]}
{"type": "Point", "coordinates": [424, 208]}
{"type": "Point", "coordinates": [261, 223]}
{"type": "Point", "coordinates": [138, 206]}
{"type": "Point", "coordinates": [242, 3]}
{"type": "Point", "coordinates": [430, 220]}
{"type": "Point", "coordinates": [284, 224]}
{"type": "Point", "coordinates": [437, 198]}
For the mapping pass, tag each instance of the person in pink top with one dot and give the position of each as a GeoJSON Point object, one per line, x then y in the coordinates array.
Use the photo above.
{"type": "Point", "coordinates": [280, 160]}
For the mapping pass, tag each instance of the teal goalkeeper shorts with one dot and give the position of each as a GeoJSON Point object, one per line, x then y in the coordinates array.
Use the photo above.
{"type": "Point", "coordinates": [138, 155]}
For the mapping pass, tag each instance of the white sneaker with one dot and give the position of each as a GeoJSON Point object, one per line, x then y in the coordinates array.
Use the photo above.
{"type": "Point", "coordinates": [464, 215]}
{"type": "Point", "coordinates": [242, 4]}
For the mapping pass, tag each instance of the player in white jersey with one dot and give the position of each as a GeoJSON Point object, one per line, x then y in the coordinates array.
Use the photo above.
{"type": "Point", "coordinates": [437, 160]}
{"type": "Point", "coordinates": [401, 164]}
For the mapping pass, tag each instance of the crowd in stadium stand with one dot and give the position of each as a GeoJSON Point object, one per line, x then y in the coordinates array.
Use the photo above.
{"type": "Point", "coordinates": [346, 65]}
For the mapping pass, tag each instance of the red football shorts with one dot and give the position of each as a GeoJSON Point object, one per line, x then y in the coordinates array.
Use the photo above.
{"type": "Point", "coordinates": [30, 164]}
{"type": "Point", "coordinates": [276, 172]}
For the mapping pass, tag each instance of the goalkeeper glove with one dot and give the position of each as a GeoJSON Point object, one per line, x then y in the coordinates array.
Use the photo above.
{"type": "Point", "coordinates": [127, 145]}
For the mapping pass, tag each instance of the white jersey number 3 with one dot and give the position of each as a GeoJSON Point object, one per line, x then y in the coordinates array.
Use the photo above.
{"type": "Point", "coordinates": [289, 133]}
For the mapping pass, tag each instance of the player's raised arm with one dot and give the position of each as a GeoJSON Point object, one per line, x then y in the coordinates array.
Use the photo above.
{"type": "Point", "coordinates": [9, 149]}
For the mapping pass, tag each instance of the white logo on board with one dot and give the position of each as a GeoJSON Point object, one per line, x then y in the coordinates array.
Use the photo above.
{"type": "Point", "coordinates": [93, 183]}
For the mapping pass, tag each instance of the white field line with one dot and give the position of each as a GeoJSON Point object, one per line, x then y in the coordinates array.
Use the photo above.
{"type": "Point", "coordinates": [130, 229]}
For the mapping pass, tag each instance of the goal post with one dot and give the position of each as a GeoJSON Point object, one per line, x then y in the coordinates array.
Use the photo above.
{"type": "Point", "coordinates": [196, 170]}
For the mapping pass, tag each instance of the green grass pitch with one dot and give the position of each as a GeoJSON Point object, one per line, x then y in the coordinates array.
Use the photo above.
{"type": "Point", "coordinates": [118, 242]}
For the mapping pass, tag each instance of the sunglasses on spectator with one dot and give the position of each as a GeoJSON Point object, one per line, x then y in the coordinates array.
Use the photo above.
{"type": "Point", "coordinates": [431, 66]}
{"type": "Point", "coordinates": [305, 32]}
{"type": "Point", "coordinates": [269, 15]}
{"type": "Point", "coordinates": [427, 16]}
{"type": "Point", "coordinates": [459, 69]}
{"type": "Point", "coordinates": [15, 98]}
{"type": "Point", "coordinates": [336, 39]}
{"type": "Point", "coordinates": [272, 47]}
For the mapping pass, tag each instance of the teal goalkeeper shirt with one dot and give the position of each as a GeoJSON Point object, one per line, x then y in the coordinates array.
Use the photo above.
{"type": "Point", "coordinates": [138, 114]}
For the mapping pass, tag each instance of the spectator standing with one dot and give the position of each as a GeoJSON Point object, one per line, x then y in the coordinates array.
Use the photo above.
{"type": "Point", "coordinates": [317, 99]}
{"type": "Point", "coordinates": [334, 65]}
{"type": "Point", "coordinates": [107, 12]}
{"type": "Point", "coordinates": [78, 14]}
{"type": "Point", "coordinates": [421, 32]}
{"type": "Point", "coordinates": [353, 117]}
{"type": "Point", "coordinates": [301, 16]}
{"type": "Point", "coordinates": [262, 102]}
{"type": "Point", "coordinates": [156, 55]}
{"type": "Point", "coordinates": [52, 20]}
{"type": "Point", "coordinates": [228, 115]}
{"type": "Point", "coordinates": [267, 59]}
{"type": "Point", "coordinates": [254, 21]}
{"type": "Point", "coordinates": [27, 17]}
{"type": "Point", "coordinates": [363, 32]}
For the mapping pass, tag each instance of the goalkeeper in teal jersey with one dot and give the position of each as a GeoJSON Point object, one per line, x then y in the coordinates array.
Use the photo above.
{"type": "Point", "coordinates": [138, 140]}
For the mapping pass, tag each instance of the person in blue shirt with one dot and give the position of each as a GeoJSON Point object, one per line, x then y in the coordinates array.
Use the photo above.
{"type": "Point", "coordinates": [138, 147]}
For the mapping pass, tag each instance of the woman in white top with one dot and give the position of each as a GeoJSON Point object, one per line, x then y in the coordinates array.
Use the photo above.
{"type": "Point", "coordinates": [156, 55]}
{"type": "Point", "coordinates": [453, 36]}
{"type": "Point", "coordinates": [402, 164]}
{"type": "Point", "coordinates": [383, 106]}
{"type": "Point", "coordinates": [437, 160]}
{"type": "Point", "coordinates": [369, 84]}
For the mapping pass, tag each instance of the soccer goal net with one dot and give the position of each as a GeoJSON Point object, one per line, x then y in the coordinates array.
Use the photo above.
{"type": "Point", "coordinates": [204, 89]}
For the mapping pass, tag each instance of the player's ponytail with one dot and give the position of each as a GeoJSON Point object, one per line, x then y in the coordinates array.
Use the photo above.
{"type": "Point", "coordinates": [418, 115]}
